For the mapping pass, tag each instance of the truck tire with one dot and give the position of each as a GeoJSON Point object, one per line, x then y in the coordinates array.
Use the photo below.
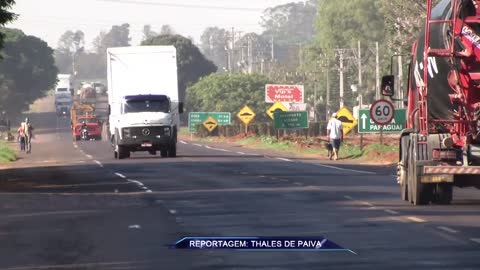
{"type": "Point", "coordinates": [123, 152]}
{"type": "Point", "coordinates": [402, 169]}
{"type": "Point", "coordinates": [443, 193]}
{"type": "Point", "coordinates": [164, 153]}
{"type": "Point", "coordinates": [172, 150]}
{"type": "Point", "coordinates": [418, 193]}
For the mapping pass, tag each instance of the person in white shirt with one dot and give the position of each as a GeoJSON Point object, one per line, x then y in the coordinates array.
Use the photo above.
{"type": "Point", "coordinates": [335, 134]}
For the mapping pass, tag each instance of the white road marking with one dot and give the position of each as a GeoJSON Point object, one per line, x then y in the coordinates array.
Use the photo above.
{"type": "Point", "coordinates": [148, 191]}
{"type": "Point", "coordinates": [367, 204]}
{"type": "Point", "coordinates": [284, 159]}
{"type": "Point", "coordinates": [391, 212]}
{"type": "Point", "coordinates": [298, 184]}
{"type": "Point", "coordinates": [476, 240]}
{"type": "Point", "coordinates": [343, 169]}
{"type": "Point", "coordinates": [416, 219]}
{"type": "Point", "coordinates": [172, 211]}
{"type": "Point", "coordinates": [196, 144]}
{"type": "Point", "coordinates": [262, 176]}
{"type": "Point", "coordinates": [348, 197]}
{"type": "Point", "coordinates": [241, 153]}
{"type": "Point", "coordinates": [136, 182]}
{"type": "Point", "coordinates": [447, 229]}
{"type": "Point", "coordinates": [135, 227]}
{"type": "Point", "coordinates": [98, 163]}
{"type": "Point", "coordinates": [89, 156]}
{"type": "Point", "coordinates": [120, 175]}
{"type": "Point", "coordinates": [76, 146]}
{"type": "Point", "coordinates": [183, 142]}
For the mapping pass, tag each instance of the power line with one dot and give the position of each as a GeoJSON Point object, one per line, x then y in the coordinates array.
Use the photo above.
{"type": "Point", "coordinates": [175, 5]}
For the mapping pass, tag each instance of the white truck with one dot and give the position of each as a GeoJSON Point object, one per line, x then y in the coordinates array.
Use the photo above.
{"type": "Point", "coordinates": [144, 107]}
{"type": "Point", "coordinates": [63, 97]}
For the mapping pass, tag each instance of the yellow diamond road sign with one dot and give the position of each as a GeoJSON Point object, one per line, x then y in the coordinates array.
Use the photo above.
{"type": "Point", "coordinates": [210, 124]}
{"type": "Point", "coordinates": [277, 106]}
{"type": "Point", "coordinates": [246, 115]}
{"type": "Point", "coordinates": [348, 121]}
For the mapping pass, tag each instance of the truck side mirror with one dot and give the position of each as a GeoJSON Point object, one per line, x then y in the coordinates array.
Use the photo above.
{"type": "Point", "coordinates": [180, 107]}
{"type": "Point", "coordinates": [388, 85]}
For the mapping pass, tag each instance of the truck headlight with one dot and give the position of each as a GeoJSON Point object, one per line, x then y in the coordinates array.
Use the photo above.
{"type": "Point", "coordinates": [166, 131]}
{"type": "Point", "coordinates": [126, 132]}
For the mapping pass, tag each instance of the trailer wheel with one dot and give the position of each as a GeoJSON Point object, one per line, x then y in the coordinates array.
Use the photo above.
{"type": "Point", "coordinates": [443, 193]}
{"type": "Point", "coordinates": [418, 193]}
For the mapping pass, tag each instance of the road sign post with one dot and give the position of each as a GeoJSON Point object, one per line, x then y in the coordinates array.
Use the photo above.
{"type": "Point", "coordinates": [367, 125]}
{"type": "Point", "coordinates": [197, 118]}
{"type": "Point", "coordinates": [246, 115]}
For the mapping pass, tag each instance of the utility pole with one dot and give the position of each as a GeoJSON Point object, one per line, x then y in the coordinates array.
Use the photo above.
{"type": "Point", "coordinates": [359, 67]}
{"type": "Point", "coordinates": [400, 82]}
{"type": "Point", "coordinates": [250, 55]}
{"type": "Point", "coordinates": [341, 78]}
{"type": "Point", "coordinates": [328, 90]}
{"type": "Point", "coordinates": [272, 45]}
{"type": "Point", "coordinates": [377, 72]}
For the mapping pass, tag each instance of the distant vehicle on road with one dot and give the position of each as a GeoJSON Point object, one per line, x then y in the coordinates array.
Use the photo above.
{"type": "Point", "coordinates": [94, 128]}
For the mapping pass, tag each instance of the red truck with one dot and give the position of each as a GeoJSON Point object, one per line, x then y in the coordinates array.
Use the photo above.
{"type": "Point", "coordinates": [441, 146]}
{"type": "Point", "coordinates": [94, 127]}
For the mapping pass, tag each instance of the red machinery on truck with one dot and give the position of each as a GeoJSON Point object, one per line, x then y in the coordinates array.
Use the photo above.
{"type": "Point", "coordinates": [94, 127]}
{"type": "Point", "coordinates": [441, 146]}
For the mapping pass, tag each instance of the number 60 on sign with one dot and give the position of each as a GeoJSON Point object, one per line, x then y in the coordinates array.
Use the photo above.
{"type": "Point", "coordinates": [382, 112]}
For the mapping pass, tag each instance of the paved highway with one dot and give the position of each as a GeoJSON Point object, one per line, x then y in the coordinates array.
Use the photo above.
{"type": "Point", "coordinates": [72, 206]}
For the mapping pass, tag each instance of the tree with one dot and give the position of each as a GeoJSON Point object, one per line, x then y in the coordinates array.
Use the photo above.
{"type": "Point", "coordinates": [28, 71]}
{"type": "Point", "coordinates": [192, 64]}
{"type": "Point", "coordinates": [228, 93]}
{"type": "Point", "coordinates": [5, 15]}
{"type": "Point", "coordinates": [71, 42]}
{"type": "Point", "coordinates": [118, 36]}
{"type": "Point", "coordinates": [166, 30]}
{"type": "Point", "coordinates": [214, 42]}
{"type": "Point", "coordinates": [148, 32]}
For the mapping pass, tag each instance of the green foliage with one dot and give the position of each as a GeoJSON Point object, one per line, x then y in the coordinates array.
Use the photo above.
{"type": "Point", "coordinates": [5, 16]}
{"type": "Point", "coordinates": [118, 36]}
{"type": "Point", "coordinates": [7, 154]}
{"type": "Point", "coordinates": [192, 64]}
{"type": "Point", "coordinates": [214, 40]}
{"type": "Point", "coordinates": [27, 71]}
{"type": "Point", "coordinates": [228, 93]}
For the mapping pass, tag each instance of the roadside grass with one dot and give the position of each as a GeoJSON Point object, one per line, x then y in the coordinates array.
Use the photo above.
{"type": "Point", "coordinates": [7, 154]}
{"type": "Point", "coordinates": [307, 147]}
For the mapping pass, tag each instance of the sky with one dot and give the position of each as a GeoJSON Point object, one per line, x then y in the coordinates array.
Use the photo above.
{"type": "Point", "coordinates": [49, 19]}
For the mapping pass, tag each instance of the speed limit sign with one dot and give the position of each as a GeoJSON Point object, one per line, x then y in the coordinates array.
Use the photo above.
{"type": "Point", "coordinates": [381, 112]}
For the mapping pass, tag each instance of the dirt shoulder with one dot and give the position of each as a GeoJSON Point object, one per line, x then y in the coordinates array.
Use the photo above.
{"type": "Point", "coordinates": [374, 151]}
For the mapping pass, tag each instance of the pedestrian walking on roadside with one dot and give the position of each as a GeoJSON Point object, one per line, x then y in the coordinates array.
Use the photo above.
{"type": "Point", "coordinates": [27, 130]}
{"type": "Point", "coordinates": [335, 134]}
{"type": "Point", "coordinates": [21, 138]}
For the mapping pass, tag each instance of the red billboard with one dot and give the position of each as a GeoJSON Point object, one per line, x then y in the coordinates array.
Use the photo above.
{"type": "Point", "coordinates": [284, 93]}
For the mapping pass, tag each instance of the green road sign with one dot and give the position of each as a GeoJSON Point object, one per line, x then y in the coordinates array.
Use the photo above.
{"type": "Point", "coordinates": [290, 120]}
{"type": "Point", "coordinates": [366, 124]}
{"type": "Point", "coordinates": [197, 118]}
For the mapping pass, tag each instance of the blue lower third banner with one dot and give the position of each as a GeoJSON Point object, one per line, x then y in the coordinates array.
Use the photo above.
{"type": "Point", "coordinates": [259, 243]}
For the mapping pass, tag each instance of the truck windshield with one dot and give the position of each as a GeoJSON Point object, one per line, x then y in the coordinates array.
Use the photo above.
{"type": "Point", "coordinates": [133, 106]}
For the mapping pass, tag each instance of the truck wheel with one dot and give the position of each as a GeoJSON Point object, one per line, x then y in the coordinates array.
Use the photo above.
{"type": "Point", "coordinates": [152, 152]}
{"type": "Point", "coordinates": [172, 150]}
{"type": "Point", "coordinates": [403, 168]}
{"type": "Point", "coordinates": [163, 153]}
{"type": "Point", "coordinates": [443, 193]}
{"type": "Point", "coordinates": [123, 152]}
{"type": "Point", "coordinates": [418, 193]}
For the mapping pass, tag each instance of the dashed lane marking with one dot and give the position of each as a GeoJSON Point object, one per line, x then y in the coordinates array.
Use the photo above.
{"type": "Point", "coordinates": [476, 240]}
{"type": "Point", "coordinates": [447, 229]}
{"type": "Point", "coordinates": [120, 175]}
{"type": "Point", "coordinates": [183, 142]}
{"type": "Point", "coordinates": [343, 169]}
{"type": "Point", "coordinates": [241, 153]}
{"type": "Point", "coordinates": [98, 163]}
{"type": "Point", "coordinates": [391, 211]}
{"type": "Point", "coordinates": [416, 219]}
{"type": "Point", "coordinates": [284, 159]}
{"type": "Point", "coordinates": [298, 184]}
{"type": "Point", "coordinates": [196, 144]}
{"type": "Point", "coordinates": [136, 182]}
{"type": "Point", "coordinates": [348, 197]}
{"type": "Point", "coordinates": [89, 156]}
{"type": "Point", "coordinates": [172, 211]}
